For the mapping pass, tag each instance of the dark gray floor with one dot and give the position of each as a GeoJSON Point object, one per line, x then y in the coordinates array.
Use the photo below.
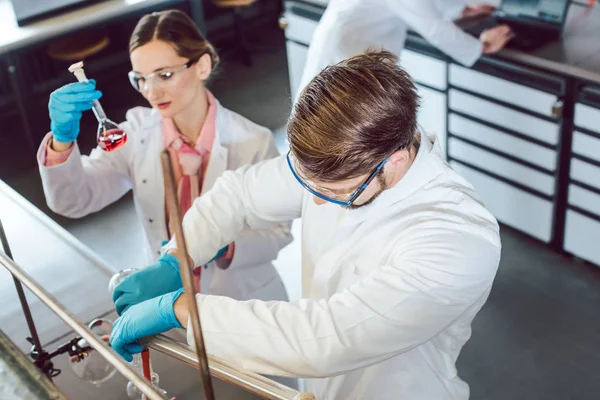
{"type": "Point", "coordinates": [538, 337]}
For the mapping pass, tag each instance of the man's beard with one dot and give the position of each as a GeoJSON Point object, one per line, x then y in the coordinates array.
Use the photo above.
{"type": "Point", "coordinates": [382, 187]}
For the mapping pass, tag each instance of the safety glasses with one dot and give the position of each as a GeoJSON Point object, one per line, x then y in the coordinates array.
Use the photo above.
{"type": "Point", "coordinates": [351, 197]}
{"type": "Point", "coordinates": [162, 78]}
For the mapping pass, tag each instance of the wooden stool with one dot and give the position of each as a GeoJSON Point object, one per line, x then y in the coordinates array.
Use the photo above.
{"type": "Point", "coordinates": [77, 47]}
{"type": "Point", "coordinates": [241, 46]}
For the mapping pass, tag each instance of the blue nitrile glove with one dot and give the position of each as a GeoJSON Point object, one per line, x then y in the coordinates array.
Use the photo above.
{"type": "Point", "coordinates": [148, 318]}
{"type": "Point", "coordinates": [66, 105]}
{"type": "Point", "coordinates": [154, 280]}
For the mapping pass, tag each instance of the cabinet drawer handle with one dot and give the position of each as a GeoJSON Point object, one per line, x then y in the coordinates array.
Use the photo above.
{"type": "Point", "coordinates": [557, 108]}
{"type": "Point", "coordinates": [283, 23]}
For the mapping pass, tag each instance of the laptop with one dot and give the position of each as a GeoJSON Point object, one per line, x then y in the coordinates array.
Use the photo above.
{"type": "Point", "coordinates": [28, 11]}
{"type": "Point", "coordinates": [534, 22]}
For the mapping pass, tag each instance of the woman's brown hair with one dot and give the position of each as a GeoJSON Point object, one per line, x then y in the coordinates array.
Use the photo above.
{"type": "Point", "coordinates": [178, 29]}
{"type": "Point", "coordinates": [352, 116]}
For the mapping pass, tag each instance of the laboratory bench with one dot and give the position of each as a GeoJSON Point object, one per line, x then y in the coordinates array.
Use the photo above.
{"type": "Point", "coordinates": [523, 128]}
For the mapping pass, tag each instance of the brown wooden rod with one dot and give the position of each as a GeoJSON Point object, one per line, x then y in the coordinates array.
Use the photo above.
{"type": "Point", "coordinates": [185, 268]}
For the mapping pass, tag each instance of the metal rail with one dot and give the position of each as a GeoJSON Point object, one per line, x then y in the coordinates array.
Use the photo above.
{"type": "Point", "coordinates": [109, 354]}
{"type": "Point", "coordinates": [251, 382]}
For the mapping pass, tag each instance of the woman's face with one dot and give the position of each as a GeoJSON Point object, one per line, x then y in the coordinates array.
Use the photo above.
{"type": "Point", "coordinates": [171, 88]}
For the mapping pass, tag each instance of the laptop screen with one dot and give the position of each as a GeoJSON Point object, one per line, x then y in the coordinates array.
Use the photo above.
{"type": "Point", "coordinates": [544, 11]}
{"type": "Point", "coordinates": [28, 10]}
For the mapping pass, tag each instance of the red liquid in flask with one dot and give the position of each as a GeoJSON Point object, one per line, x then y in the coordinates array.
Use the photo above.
{"type": "Point", "coordinates": [112, 139]}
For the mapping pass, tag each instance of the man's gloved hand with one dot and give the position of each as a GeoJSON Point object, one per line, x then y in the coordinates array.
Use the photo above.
{"type": "Point", "coordinates": [150, 317]}
{"type": "Point", "coordinates": [66, 105]}
{"type": "Point", "coordinates": [154, 280]}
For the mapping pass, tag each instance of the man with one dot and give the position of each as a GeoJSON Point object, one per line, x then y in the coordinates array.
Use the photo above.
{"type": "Point", "coordinates": [398, 252]}
{"type": "Point", "coordinates": [348, 27]}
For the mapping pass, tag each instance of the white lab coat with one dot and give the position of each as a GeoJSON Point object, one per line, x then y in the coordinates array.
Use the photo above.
{"type": "Point", "coordinates": [86, 184]}
{"type": "Point", "coordinates": [348, 27]}
{"type": "Point", "coordinates": [389, 290]}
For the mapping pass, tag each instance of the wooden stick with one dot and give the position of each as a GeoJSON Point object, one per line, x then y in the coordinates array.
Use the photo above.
{"type": "Point", "coordinates": [175, 221]}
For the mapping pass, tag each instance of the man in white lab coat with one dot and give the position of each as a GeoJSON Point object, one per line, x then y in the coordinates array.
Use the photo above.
{"type": "Point", "coordinates": [398, 252]}
{"type": "Point", "coordinates": [348, 27]}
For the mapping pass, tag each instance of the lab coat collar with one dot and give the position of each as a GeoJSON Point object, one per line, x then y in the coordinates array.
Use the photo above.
{"type": "Point", "coordinates": [152, 121]}
{"type": "Point", "coordinates": [427, 165]}
{"type": "Point", "coordinates": [218, 154]}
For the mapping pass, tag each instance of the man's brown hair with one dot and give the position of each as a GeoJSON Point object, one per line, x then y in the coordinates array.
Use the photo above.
{"type": "Point", "coordinates": [352, 116]}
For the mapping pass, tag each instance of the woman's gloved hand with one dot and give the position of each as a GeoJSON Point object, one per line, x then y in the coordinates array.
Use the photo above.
{"type": "Point", "coordinates": [66, 105]}
{"type": "Point", "coordinates": [154, 280]}
{"type": "Point", "coordinates": [150, 317]}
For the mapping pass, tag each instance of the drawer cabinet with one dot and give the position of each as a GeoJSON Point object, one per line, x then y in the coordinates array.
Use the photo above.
{"type": "Point", "coordinates": [504, 137]}
{"type": "Point", "coordinates": [425, 69]}
{"type": "Point", "coordinates": [429, 74]}
{"type": "Point", "coordinates": [509, 92]}
{"type": "Point", "coordinates": [582, 221]}
{"type": "Point", "coordinates": [514, 207]}
{"type": "Point", "coordinates": [299, 30]}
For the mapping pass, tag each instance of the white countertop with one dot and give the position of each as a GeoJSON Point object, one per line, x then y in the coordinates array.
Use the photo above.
{"type": "Point", "coordinates": [56, 260]}
{"type": "Point", "coordinates": [13, 37]}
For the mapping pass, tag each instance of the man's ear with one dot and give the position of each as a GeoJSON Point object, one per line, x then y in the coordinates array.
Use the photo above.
{"type": "Point", "coordinates": [399, 158]}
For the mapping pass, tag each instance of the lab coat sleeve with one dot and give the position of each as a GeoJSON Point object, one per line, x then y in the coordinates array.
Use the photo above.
{"type": "Point", "coordinates": [255, 196]}
{"type": "Point", "coordinates": [451, 9]}
{"type": "Point", "coordinates": [426, 19]}
{"type": "Point", "coordinates": [86, 184]}
{"type": "Point", "coordinates": [260, 246]}
{"type": "Point", "coordinates": [397, 307]}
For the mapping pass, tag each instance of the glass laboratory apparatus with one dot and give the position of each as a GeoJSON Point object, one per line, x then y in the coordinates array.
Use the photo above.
{"type": "Point", "coordinates": [90, 365]}
{"type": "Point", "coordinates": [141, 362]}
{"type": "Point", "coordinates": [109, 137]}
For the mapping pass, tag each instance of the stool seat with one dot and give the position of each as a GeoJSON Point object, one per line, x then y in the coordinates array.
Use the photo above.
{"type": "Point", "coordinates": [77, 47]}
{"type": "Point", "coordinates": [233, 3]}
{"type": "Point", "coordinates": [242, 44]}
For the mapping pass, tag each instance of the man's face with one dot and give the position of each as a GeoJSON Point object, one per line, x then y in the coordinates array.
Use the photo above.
{"type": "Point", "coordinates": [343, 189]}
{"type": "Point", "coordinates": [360, 190]}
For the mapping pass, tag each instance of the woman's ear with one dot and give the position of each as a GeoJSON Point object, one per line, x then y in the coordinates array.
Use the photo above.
{"type": "Point", "coordinates": [204, 67]}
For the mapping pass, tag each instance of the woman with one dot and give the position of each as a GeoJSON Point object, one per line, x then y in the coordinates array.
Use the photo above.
{"type": "Point", "coordinates": [171, 62]}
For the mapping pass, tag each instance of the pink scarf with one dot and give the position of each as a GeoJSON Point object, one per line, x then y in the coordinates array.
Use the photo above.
{"type": "Point", "coordinates": [190, 161]}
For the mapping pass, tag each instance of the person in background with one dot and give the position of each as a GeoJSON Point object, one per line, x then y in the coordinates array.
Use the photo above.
{"type": "Point", "coordinates": [398, 252]}
{"type": "Point", "coordinates": [348, 27]}
{"type": "Point", "coordinates": [171, 62]}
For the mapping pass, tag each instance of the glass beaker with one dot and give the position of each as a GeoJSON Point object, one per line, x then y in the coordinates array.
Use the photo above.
{"type": "Point", "coordinates": [118, 277]}
{"type": "Point", "coordinates": [93, 367]}
{"type": "Point", "coordinates": [109, 136]}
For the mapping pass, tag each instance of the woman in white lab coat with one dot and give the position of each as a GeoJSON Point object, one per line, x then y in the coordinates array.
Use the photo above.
{"type": "Point", "coordinates": [171, 61]}
{"type": "Point", "coordinates": [349, 27]}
